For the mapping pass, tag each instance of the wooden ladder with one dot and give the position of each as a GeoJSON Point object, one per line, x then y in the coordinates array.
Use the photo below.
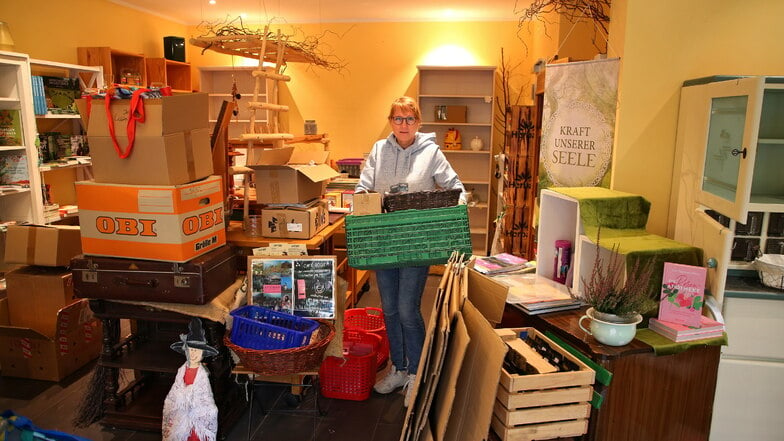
{"type": "Point", "coordinates": [262, 74]}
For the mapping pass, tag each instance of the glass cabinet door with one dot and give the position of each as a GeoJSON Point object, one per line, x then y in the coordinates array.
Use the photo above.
{"type": "Point", "coordinates": [730, 149]}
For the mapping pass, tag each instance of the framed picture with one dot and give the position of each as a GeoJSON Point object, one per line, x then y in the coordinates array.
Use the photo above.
{"type": "Point", "coordinates": [300, 285]}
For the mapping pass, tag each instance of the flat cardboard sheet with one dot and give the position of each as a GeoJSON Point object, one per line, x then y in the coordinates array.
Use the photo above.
{"type": "Point", "coordinates": [478, 379]}
{"type": "Point", "coordinates": [487, 295]}
{"type": "Point", "coordinates": [447, 384]}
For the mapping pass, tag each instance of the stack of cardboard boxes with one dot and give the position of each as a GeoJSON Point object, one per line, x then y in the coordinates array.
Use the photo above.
{"type": "Point", "coordinates": [290, 183]}
{"type": "Point", "coordinates": [153, 199]}
{"type": "Point", "coordinates": [49, 333]}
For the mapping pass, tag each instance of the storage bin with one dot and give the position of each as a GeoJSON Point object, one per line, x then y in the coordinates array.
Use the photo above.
{"type": "Point", "coordinates": [352, 376]}
{"type": "Point", "coordinates": [261, 328]}
{"type": "Point", "coordinates": [407, 238]}
{"type": "Point", "coordinates": [542, 406]}
{"type": "Point", "coordinates": [421, 200]}
{"type": "Point", "coordinates": [369, 320]}
{"type": "Point", "coordinates": [352, 166]}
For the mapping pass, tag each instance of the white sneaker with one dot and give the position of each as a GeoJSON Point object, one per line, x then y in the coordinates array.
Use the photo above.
{"type": "Point", "coordinates": [409, 387]}
{"type": "Point", "coordinates": [392, 381]}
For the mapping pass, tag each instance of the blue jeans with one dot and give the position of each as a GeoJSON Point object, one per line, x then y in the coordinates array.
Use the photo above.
{"type": "Point", "coordinates": [401, 296]}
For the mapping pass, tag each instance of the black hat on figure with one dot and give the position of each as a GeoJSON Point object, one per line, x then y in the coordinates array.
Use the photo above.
{"type": "Point", "coordinates": [194, 339]}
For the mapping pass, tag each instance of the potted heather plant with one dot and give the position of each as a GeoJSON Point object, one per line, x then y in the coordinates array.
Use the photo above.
{"type": "Point", "coordinates": [616, 306]}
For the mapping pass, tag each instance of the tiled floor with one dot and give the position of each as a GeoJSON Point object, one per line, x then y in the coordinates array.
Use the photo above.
{"type": "Point", "coordinates": [380, 418]}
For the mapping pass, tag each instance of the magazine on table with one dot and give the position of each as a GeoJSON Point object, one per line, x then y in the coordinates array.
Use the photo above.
{"type": "Point", "coordinates": [500, 263]}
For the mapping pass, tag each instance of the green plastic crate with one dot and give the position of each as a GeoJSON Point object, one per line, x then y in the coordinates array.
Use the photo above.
{"type": "Point", "coordinates": [407, 237]}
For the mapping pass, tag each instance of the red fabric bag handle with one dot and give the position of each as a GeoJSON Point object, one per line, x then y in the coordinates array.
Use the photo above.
{"type": "Point", "coordinates": [135, 113]}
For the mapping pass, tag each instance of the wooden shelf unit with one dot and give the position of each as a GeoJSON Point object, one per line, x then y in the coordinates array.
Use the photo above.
{"type": "Point", "coordinates": [474, 88]}
{"type": "Point", "coordinates": [114, 62]}
{"type": "Point", "coordinates": [163, 72]}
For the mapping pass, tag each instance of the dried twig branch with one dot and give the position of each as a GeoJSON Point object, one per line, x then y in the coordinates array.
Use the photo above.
{"type": "Point", "coordinates": [595, 10]}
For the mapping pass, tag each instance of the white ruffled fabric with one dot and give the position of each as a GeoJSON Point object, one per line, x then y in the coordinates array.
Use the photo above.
{"type": "Point", "coordinates": [190, 407]}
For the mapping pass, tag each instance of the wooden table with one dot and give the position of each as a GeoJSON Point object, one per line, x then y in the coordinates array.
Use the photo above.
{"type": "Point", "coordinates": [321, 244]}
{"type": "Point", "coordinates": [650, 397]}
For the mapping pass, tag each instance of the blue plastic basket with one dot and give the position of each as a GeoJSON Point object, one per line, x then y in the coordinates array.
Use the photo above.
{"type": "Point", "coordinates": [261, 328]}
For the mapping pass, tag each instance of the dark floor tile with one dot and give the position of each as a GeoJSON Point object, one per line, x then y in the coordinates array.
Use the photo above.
{"type": "Point", "coordinates": [388, 432]}
{"type": "Point", "coordinates": [287, 427]}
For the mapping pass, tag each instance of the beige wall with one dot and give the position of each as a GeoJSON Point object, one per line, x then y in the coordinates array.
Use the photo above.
{"type": "Point", "coordinates": [349, 105]}
{"type": "Point", "coordinates": [662, 43]}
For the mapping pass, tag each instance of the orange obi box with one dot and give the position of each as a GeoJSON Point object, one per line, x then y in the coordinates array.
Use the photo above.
{"type": "Point", "coordinates": [172, 223]}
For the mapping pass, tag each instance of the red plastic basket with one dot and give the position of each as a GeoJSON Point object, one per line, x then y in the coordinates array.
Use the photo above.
{"type": "Point", "coordinates": [369, 320]}
{"type": "Point", "coordinates": [352, 376]}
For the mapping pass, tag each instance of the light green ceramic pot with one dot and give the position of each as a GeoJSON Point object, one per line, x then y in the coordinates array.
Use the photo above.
{"type": "Point", "coordinates": [608, 332]}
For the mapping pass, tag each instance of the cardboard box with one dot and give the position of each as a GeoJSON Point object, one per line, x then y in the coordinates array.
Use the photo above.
{"type": "Point", "coordinates": [25, 352]}
{"type": "Point", "coordinates": [45, 245]}
{"type": "Point", "coordinates": [165, 222]}
{"type": "Point", "coordinates": [366, 203]}
{"type": "Point", "coordinates": [291, 176]}
{"type": "Point", "coordinates": [176, 158]}
{"type": "Point", "coordinates": [162, 116]}
{"type": "Point", "coordinates": [35, 294]}
{"type": "Point", "coordinates": [542, 406]}
{"type": "Point", "coordinates": [294, 223]}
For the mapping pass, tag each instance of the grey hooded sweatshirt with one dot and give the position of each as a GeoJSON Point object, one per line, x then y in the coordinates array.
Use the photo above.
{"type": "Point", "coordinates": [422, 166]}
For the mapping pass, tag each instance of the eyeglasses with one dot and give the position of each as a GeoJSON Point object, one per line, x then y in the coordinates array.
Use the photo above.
{"type": "Point", "coordinates": [398, 120]}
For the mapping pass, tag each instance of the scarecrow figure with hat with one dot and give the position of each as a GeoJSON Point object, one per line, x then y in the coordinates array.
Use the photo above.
{"type": "Point", "coordinates": [189, 411]}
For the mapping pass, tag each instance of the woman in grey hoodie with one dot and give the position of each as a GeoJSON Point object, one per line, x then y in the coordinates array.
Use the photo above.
{"type": "Point", "coordinates": [406, 161]}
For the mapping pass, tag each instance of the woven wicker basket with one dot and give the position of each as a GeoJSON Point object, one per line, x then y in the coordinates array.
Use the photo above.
{"type": "Point", "coordinates": [286, 361]}
{"type": "Point", "coordinates": [421, 200]}
{"type": "Point", "coordinates": [770, 268]}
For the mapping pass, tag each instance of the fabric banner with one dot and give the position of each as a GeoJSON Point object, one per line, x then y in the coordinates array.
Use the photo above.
{"type": "Point", "coordinates": [578, 124]}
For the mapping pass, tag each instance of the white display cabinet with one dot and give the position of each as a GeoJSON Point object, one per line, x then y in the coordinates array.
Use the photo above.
{"type": "Point", "coordinates": [60, 176]}
{"type": "Point", "coordinates": [21, 205]}
{"type": "Point", "coordinates": [728, 197]}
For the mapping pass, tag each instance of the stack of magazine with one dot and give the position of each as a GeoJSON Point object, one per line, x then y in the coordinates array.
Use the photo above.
{"type": "Point", "coordinates": [679, 333]}
{"type": "Point", "coordinates": [680, 308]}
{"type": "Point", "coordinates": [500, 263]}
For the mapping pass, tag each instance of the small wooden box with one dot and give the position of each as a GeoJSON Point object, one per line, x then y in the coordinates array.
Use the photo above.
{"type": "Point", "coordinates": [542, 406]}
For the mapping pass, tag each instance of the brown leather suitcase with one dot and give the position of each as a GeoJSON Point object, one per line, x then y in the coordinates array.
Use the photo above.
{"type": "Point", "coordinates": [195, 282]}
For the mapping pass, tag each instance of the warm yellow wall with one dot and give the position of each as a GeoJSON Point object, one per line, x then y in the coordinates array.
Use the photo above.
{"type": "Point", "coordinates": [662, 43]}
{"type": "Point", "coordinates": [52, 30]}
{"type": "Point", "coordinates": [350, 105]}
{"type": "Point", "coordinates": [381, 59]}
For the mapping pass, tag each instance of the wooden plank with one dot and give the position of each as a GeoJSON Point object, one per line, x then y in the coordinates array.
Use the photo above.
{"type": "Point", "coordinates": [541, 414]}
{"type": "Point", "coordinates": [545, 397]}
{"type": "Point", "coordinates": [540, 431]}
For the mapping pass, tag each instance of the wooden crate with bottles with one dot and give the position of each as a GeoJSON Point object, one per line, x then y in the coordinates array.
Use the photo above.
{"type": "Point", "coordinates": [544, 391]}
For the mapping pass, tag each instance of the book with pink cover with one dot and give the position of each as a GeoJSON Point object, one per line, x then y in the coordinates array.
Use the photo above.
{"type": "Point", "coordinates": [707, 325]}
{"type": "Point", "coordinates": [681, 333]}
{"type": "Point", "coordinates": [682, 294]}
